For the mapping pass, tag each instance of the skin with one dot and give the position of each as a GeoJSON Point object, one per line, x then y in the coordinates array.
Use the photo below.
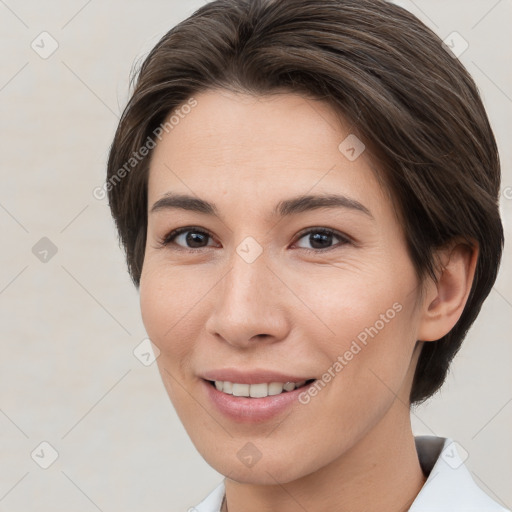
{"type": "Point", "coordinates": [351, 448]}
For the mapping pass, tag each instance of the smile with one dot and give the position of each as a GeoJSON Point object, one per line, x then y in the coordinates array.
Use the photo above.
{"type": "Point", "coordinates": [260, 390]}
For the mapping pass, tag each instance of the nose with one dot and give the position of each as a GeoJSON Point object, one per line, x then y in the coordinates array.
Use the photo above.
{"type": "Point", "coordinates": [249, 304]}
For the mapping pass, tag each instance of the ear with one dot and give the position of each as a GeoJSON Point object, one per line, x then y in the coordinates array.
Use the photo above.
{"type": "Point", "coordinates": [445, 299]}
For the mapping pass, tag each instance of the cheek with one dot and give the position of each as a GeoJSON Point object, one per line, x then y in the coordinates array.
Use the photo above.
{"type": "Point", "coordinates": [365, 363]}
{"type": "Point", "coordinates": [368, 319]}
{"type": "Point", "coordinates": [152, 303]}
{"type": "Point", "coordinates": [173, 308]}
{"type": "Point", "coordinates": [165, 300]}
{"type": "Point", "coordinates": [346, 304]}
{"type": "Point", "coordinates": [164, 304]}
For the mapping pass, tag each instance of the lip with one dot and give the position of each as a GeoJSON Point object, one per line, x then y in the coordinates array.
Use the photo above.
{"type": "Point", "coordinates": [252, 376]}
{"type": "Point", "coordinates": [252, 410]}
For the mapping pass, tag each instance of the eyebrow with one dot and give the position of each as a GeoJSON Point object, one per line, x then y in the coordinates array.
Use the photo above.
{"type": "Point", "coordinates": [287, 207]}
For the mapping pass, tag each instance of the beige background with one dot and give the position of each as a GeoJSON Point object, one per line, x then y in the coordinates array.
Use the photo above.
{"type": "Point", "coordinates": [68, 375]}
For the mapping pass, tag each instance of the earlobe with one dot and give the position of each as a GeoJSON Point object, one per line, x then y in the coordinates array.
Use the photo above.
{"type": "Point", "coordinates": [445, 299]}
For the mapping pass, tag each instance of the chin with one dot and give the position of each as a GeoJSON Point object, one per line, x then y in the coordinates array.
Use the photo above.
{"type": "Point", "coordinates": [280, 469]}
{"type": "Point", "coordinates": [262, 474]}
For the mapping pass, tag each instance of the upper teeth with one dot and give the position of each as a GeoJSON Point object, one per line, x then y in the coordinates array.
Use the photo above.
{"type": "Point", "coordinates": [256, 390]}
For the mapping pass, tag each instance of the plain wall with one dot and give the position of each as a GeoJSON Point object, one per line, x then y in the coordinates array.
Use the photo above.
{"type": "Point", "coordinates": [69, 325]}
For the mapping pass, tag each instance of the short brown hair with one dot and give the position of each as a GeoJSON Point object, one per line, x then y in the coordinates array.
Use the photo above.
{"type": "Point", "coordinates": [379, 66]}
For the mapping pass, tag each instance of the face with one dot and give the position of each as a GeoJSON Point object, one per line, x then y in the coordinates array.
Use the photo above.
{"type": "Point", "coordinates": [260, 288]}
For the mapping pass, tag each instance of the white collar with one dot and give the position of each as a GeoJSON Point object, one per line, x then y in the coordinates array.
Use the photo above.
{"type": "Point", "coordinates": [448, 488]}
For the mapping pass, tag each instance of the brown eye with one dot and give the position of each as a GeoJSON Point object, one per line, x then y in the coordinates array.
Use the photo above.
{"type": "Point", "coordinates": [187, 238]}
{"type": "Point", "coordinates": [321, 239]}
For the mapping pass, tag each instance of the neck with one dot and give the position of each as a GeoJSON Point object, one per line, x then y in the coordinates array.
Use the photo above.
{"type": "Point", "coordinates": [381, 472]}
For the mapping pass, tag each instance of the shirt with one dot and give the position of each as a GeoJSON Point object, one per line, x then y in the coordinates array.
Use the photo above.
{"type": "Point", "coordinates": [449, 486]}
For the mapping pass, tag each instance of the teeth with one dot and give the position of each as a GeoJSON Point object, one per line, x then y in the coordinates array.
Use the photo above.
{"type": "Point", "coordinates": [274, 388]}
{"type": "Point", "coordinates": [241, 389]}
{"type": "Point", "coordinates": [289, 386]}
{"type": "Point", "coordinates": [260, 390]}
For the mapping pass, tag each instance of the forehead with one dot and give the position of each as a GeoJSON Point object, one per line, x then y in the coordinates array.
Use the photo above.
{"type": "Point", "coordinates": [241, 124]}
{"type": "Point", "coordinates": [261, 149]}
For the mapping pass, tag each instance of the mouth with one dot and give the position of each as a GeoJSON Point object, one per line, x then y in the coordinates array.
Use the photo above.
{"type": "Point", "coordinates": [257, 401]}
{"type": "Point", "coordinates": [258, 390]}
{"type": "Point", "coordinates": [254, 395]}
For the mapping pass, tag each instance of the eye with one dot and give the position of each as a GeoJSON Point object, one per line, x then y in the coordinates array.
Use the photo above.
{"type": "Point", "coordinates": [188, 238]}
{"type": "Point", "coordinates": [192, 239]}
{"type": "Point", "coordinates": [321, 239]}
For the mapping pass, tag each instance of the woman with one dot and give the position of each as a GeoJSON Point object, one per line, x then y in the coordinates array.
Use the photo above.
{"type": "Point", "coordinates": [307, 196]}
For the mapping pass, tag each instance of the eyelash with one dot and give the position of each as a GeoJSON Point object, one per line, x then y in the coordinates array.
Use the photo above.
{"type": "Point", "coordinates": [168, 239]}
